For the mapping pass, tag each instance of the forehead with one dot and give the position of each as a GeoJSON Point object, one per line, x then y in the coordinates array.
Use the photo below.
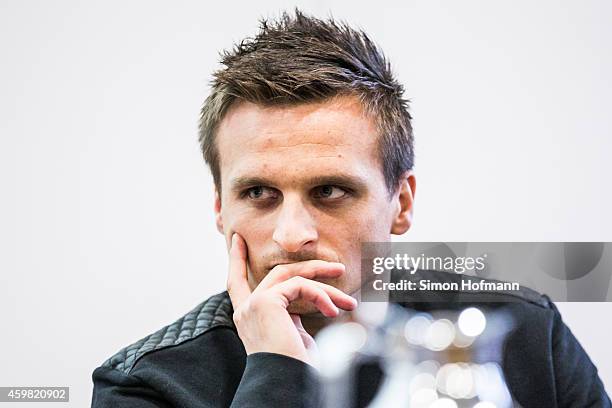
{"type": "Point", "coordinates": [290, 141]}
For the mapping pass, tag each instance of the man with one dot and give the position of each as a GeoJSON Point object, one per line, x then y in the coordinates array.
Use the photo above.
{"type": "Point", "coordinates": [310, 145]}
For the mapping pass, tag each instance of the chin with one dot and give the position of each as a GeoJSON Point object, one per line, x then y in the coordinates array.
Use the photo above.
{"type": "Point", "coordinates": [302, 307]}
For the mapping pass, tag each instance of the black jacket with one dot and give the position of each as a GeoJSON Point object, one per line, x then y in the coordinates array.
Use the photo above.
{"type": "Point", "coordinates": [199, 361]}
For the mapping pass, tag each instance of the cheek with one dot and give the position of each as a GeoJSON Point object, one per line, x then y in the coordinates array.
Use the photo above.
{"type": "Point", "coordinates": [237, 219]}
{"type": "Point", "coordinates": [256, 232]}
{"type": "Point", "coordinates": [366, 225]}
{"type": "Point", "coordinates": [370, 224]}
{"type": "Point", "coordinates": [367, 221]}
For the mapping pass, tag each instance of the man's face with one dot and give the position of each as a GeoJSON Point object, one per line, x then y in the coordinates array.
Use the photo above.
{"type": "Point", "coordinates": [303, 182]}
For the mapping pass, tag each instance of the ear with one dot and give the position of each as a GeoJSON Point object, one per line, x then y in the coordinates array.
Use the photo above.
{"type": "Point", "coordinates": [218, 216]}
{"type": "Point", "coordinates": [404, 197]}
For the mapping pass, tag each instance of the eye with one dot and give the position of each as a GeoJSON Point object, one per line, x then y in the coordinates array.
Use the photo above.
{"type": "Point", "coordinates": [260, 193]}
{"type": "Point", "coordinates": [329, 192]}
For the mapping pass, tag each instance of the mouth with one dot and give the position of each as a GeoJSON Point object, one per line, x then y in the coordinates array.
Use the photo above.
{"type": "Point", "coordinates": [294, 262]}
{"type": "Point", "coordinates": [330, 258]}
{"type": "Point", "coordinates": [283, 263]}
{"type": "Point", "coordinates": [324, 277]}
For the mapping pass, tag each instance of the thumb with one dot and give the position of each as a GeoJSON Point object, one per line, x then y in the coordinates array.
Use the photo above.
{"type": "Point", "coordinates": [309, 343]}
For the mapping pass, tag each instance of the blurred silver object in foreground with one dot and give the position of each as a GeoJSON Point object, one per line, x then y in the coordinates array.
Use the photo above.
{"type": "Point", "coordinates": [439, 359]}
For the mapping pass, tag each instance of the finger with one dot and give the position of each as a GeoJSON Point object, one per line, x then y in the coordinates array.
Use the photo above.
{"type": "Point", "coordinates": [312, 269]}
{"type": "Point", "coordinates": [306, 338]}
{"type": "Point", "coordinates": [340, 299]}
{"type": "Point", "coordinates": [297, 321]}
{"type": "Point", "coordinates": [309, 342]}
{"type": "Point", "coordinates": [237, 280]}
{"type": "Point", "coordinates": [301, 288]}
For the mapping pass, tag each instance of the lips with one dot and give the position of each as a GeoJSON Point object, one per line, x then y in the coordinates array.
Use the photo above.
{"type": "Point", "coordinates": [292, 262]}
{"type": "Point", "coordinates": [284, 263]}
{"type": "Point", "coordinates": [330, 280]}
{"type": "Point", "coordinates": [302, 260]}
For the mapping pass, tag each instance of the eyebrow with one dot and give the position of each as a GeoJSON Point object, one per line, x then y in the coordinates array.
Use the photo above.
{"type": "Point", "coordinates": [343, 180]}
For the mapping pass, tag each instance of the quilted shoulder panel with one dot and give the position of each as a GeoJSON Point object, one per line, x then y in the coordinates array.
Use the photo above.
{"type": "Point", "coordinates": [214, 311]}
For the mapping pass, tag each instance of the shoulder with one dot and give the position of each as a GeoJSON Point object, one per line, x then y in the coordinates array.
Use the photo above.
{"type": "Point", "coordinates": [215, 311]}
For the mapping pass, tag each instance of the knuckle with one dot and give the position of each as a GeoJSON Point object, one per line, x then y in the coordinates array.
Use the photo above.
{"type": "Point", "coordinates": [281, 271]}
{"type": "Point", "coordinates": [255, 304]}
{"type": "Point", "coordinates": [236, 317]}
{"type": "Point", "coordinates": [299, 280]}
{"type": "Point", "coordinates": [241, 313]}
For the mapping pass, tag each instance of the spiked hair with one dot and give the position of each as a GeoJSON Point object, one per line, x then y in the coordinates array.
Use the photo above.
{"type": "Point", "coordinates": [300, 59]}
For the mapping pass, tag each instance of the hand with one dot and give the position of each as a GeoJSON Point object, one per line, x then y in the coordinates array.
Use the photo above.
{"type": "Point", "coordinates": [261, 316]}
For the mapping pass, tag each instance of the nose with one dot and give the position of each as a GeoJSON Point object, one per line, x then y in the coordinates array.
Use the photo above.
{"type": "Point", "coordinates": [295, 227]}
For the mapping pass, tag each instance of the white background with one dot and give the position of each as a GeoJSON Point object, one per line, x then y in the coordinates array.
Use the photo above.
{"type": "Point", "coordinates": [106, 224]}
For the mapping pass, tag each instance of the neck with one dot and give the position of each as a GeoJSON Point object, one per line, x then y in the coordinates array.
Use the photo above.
{"type": "Point", "coordinates": [315, 322]}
